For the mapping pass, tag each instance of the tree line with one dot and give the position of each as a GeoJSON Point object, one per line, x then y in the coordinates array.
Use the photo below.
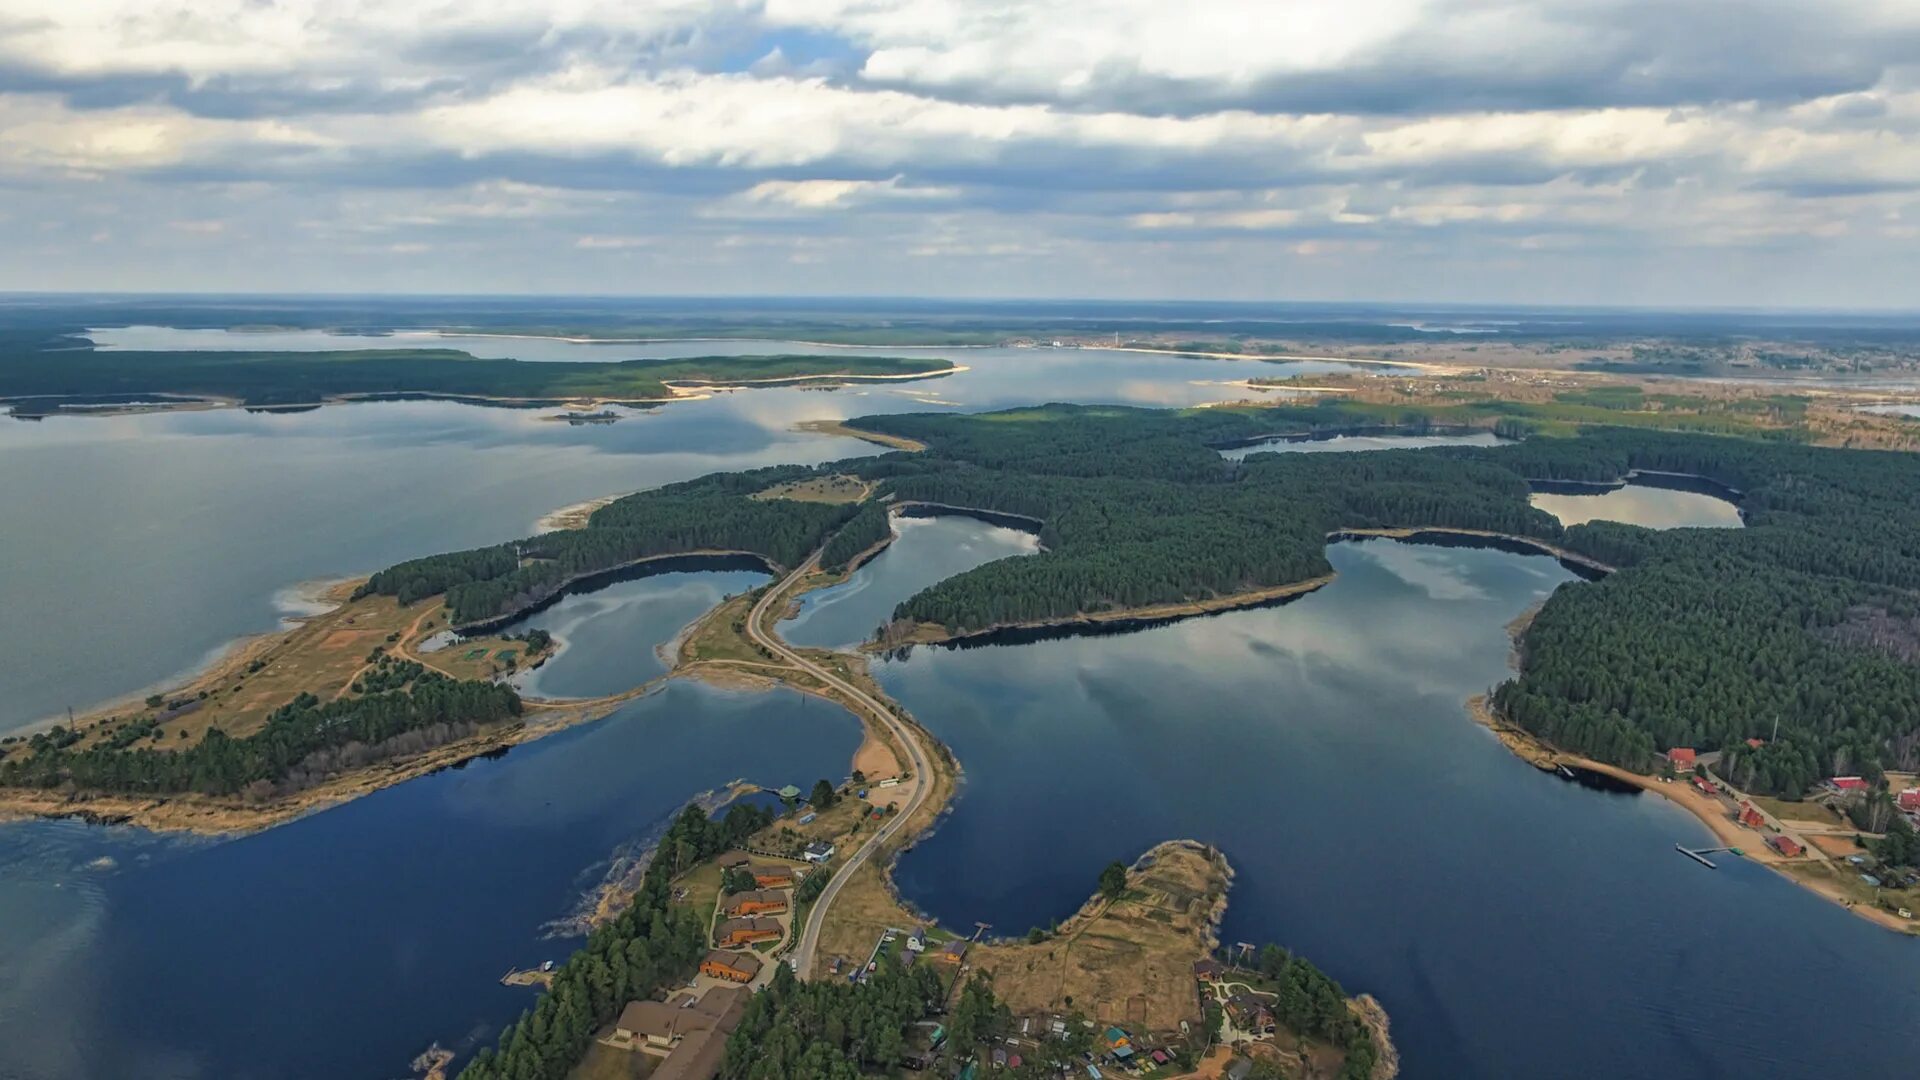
{"type": "Point", "coordinates": [1704, 637]}
{"type": "Point", "coordinates": [297, 735]}
{"type": "Point", "coordinates": [873, 524]}
{"type": "Point", "coordinates": [267, 378]}
{"type": "Point", "coordinates": [654, 943]}
{"type": "Point", "coordinates": [1311, 1003]}
{"type": "Point", "coordinates": [712, 513]}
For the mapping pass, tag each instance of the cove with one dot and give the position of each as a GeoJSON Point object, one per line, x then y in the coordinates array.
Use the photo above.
{"type": "Point", "coordinates": [925, 550]}
{"type": "Point", "coordinates": [610, 635]}
{"type": "Point", "coordinates": [1289, 444]}
{"type": "Point", "coordinates": [341, 944]}
{"type": "Point", "coordinates": [1651, 500]}
{"type": "Point", "coordinates": [197, 528]}
{"type": "Point", "coordinates": [156, 540]}
{"type": "Point", "coordinates": [1513, 924]}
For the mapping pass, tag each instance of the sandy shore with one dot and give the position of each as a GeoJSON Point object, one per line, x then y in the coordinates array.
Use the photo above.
{"type": "Point", "coordinates": [1706, 809]}
{"type": "Point", "coordinates": [838, 427]}
{"type": "Point", "coordinates": [299, 603]}
{"type": "Point", "coordinates": [573, 516]}
{"type": "Point", "coordinates": [209, 816]}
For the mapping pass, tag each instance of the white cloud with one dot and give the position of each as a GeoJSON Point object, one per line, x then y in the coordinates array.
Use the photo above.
{"type": "Point", "coordinates": [1000, 133]}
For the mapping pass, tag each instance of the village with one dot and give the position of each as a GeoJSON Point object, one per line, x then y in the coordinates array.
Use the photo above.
{"type": "Point", "coordinates": [1134, 985]}
{"type": "Point", "coordinates": [1818, 840]}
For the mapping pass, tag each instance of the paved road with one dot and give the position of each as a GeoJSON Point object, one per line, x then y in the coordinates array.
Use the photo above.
{"type": "Point", "coordinates": [803, 955]}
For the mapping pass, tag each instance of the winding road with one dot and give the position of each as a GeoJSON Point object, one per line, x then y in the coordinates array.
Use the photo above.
{"type": "Point", "coordinates": [809, 943]}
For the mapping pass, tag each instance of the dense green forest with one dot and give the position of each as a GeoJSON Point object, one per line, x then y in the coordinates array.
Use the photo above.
{"type": "Point", "coordinates": [290, 378]}
{"type": "Point", "coordinates": [1311, 1003]}
{"type": "Point", "coordinates": [653, 943]}
{"type": "Point", "coordinates": [303, 741]}
{"type": "Point", "coordinates": [870, 526]}
{"type": "Point", "coordinates": [1139, 509]}
{"type": "Point", "coordinates": [830, 1029]}
{"type": "Point", "coordinates": [1708, 636]}
{"type": "Point", "coordinates": [708, 514]}
{"type": "Point", "coordinates": [1703, 638]}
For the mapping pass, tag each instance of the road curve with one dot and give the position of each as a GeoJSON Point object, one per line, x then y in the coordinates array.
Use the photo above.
{"type": "Point", "coordinates": [803, 954]}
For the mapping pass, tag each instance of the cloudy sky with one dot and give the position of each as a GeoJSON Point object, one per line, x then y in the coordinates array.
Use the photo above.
{"type": "Point", "coordinates": [1714, 152]}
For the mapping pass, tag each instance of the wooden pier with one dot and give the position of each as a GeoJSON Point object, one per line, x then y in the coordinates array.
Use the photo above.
{"type": "Point", "coordinates": [1699, 855]}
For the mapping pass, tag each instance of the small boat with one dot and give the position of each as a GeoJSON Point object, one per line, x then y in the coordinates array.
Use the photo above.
{"type": "Point", "coordinates": [1565, 773]}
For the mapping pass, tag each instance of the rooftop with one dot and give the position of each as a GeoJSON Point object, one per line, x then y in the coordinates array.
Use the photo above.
{"type": "Point", "coordinates": [738, 961]}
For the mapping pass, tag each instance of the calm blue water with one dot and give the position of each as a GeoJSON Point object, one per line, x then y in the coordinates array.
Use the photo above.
{"type": "Point", "coordinates": [924, 551]}
{"type": "Point", "coordinates": [1513, 925]}
{"type": "Point", "coordinates": [1642, 504]}
{"type": "Point", "coordinates": [192, 528]}
{"type": "Point", "coordinates": [1340, 444]}
{"type": "Point", "coordinates": [340, 945]}
{"type": "Point", "coordinates": [611, 637]}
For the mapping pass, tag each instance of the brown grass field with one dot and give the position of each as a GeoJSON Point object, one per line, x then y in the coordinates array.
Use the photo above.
{"type": "Point", "coordinates": [1128, 962]}
{"type": "Point", "coordinates": [602, 1062]}
{"type": "Point", "coordinates": [323, 655]}
{"type": "Point", "coordinates": [820, 489]}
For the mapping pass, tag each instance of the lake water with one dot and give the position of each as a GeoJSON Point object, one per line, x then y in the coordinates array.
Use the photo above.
{"type": "Point", "coordinates": [1348, 443]}
{"type": "Point", "coordinates": [997, 377]}
{"type": "Point", "coordinates": [610, 637]}
{"type": "Point", "coordinates": [1514, 925]}
{"type": "Point", "coordinates": [340, 945]}
{"type": "Point", "coordinates": [155, 540]}
{"type": "Point", "coordinates": [924, 551]}
{"type": "Point", "coordinates": [1655, 506]}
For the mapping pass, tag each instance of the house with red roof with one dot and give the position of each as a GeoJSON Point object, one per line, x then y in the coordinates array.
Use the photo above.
{"type": "Point", "coordinates": [1681, 757]}
{"type": "Point", "coordinates": [1847, 784]}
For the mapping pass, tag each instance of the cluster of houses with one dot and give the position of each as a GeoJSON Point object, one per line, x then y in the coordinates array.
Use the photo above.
{"type": "Point", "coordinates": [748, 914]}
{"type": "Point", "coordinates": [689, 1032]}
{"type": "Point", "coordinates": [1906, 801]}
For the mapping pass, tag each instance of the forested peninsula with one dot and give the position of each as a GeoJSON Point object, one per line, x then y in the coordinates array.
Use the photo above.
{"type": "Point", "coordinates": [1703, 637]}
{"type": "Point", "coordinates": [307, 378]}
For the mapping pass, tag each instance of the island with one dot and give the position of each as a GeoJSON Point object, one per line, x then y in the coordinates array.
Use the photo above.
{"type": "Point", "coordinates": [47, 381]}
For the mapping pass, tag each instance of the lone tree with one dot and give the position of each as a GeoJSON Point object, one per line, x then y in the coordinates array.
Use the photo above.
{"type": "Point", "coordinates": [736, 880]}
{"type": "Point", "coordinates": [1113, 880]}
{"type": "Point", "coordinates": [822, 794]}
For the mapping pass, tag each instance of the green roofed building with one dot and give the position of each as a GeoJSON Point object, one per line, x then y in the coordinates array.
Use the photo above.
{"type": "Point", "coordinates": [789, 792]}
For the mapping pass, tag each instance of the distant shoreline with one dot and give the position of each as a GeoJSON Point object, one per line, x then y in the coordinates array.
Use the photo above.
{"type": "Point", "coordinates": [1283, 358]}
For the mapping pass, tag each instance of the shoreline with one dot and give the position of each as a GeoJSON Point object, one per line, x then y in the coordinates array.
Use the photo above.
{"type": "Point", "coordinates": [875, 438]}
{"type": "Point", "coordinates": [573, 515]}
{"type": "Point", "coordinates": [1546, 757]}
{"type": "Point", "coordinates": [201, 815]}
{"type": "Point", "coordinates": [930, 634]}
{"type": "Point", "coordinates": [320, 596]}
{"type": "Point", "coordinates": [684, 389]}
{"type": "Point", "coordinates": [210, 816]}
{"type": "Point", "coordinates": [1267, 357]}
{"type": "Point", "coordinates": [678, 340]}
